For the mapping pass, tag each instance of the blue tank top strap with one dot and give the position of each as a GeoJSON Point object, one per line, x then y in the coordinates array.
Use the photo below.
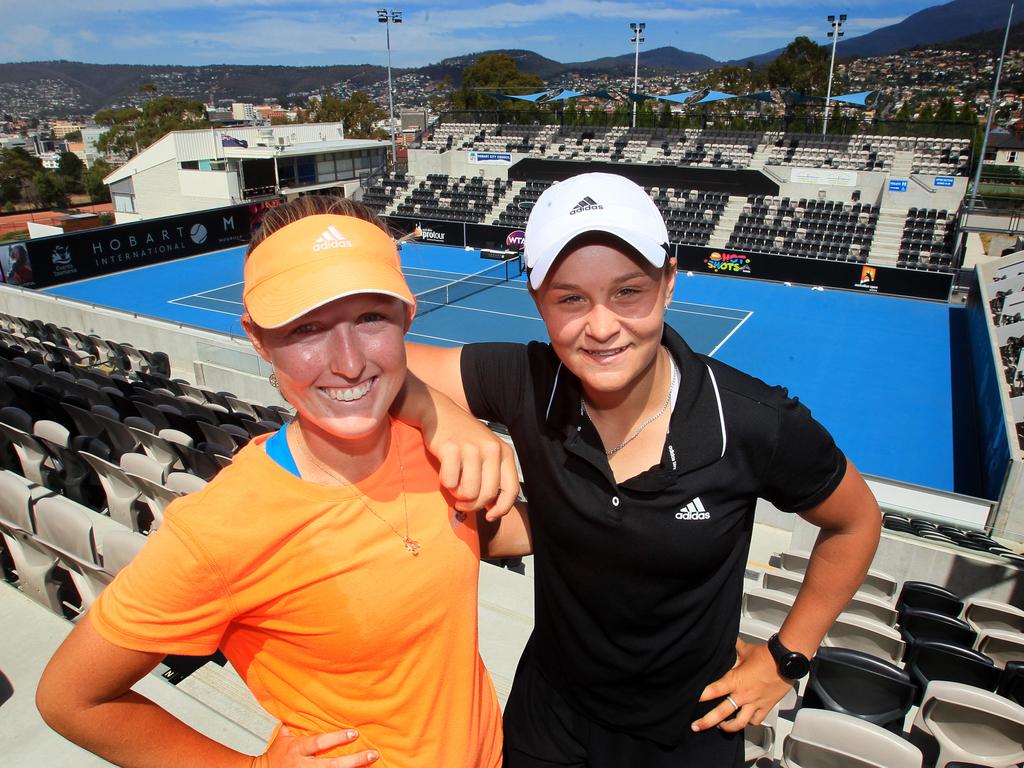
{"type": "Point", "coordinates": [277, 449]}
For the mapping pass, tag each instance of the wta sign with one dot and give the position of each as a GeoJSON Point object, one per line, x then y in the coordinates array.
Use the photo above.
{"type": "Point", "coordinates": [516, 240]}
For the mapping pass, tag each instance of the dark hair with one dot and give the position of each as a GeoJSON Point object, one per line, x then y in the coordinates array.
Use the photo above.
{"type": "Point", "coordinates": [312, 205]}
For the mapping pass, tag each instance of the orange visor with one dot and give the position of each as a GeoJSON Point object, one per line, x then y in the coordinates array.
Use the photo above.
{"type": "Point", "coordinates": [315, 260]}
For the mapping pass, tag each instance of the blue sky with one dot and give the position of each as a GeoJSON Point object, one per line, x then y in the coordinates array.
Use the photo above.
{"type": "Point", "coordinates": [308, 32]}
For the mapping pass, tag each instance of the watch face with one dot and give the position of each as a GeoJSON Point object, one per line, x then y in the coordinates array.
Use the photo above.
{"type": "Point", "coordinates": [794, 666]}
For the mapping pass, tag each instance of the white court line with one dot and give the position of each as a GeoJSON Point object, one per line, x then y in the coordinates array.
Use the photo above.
{"type": "Point", "coordinates": [213, 298]}
{"type": "Point", "coordinates": [436, 338]}
{"type": "Point", "coordinates": [208, 290]}
{"type": "Point", "coordinates": [729, 335]}
{"type": "Point", "coordinates": [705, 314]}
{"type": "Point", "coordinates": [206, 309]}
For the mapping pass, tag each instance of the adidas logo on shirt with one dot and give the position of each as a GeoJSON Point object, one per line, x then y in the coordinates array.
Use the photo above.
{"type": "Point", "coordinates": [693, 511]}
{"type": "Point", "coordinates": [331, 238]}
{"type": "Point", "coordinates": [586, 204]}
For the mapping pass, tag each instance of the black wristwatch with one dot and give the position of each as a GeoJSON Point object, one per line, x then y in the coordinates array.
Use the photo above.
{"type": "Point", "coordinates": [792, 664]}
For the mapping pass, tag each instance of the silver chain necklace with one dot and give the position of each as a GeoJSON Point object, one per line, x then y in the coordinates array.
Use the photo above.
{"type": "Point", "coordinates": [411, 544]}
{"type": "Point", "coordinates": [642, 427]}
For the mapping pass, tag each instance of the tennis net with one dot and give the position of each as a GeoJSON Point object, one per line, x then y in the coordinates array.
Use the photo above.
{"type": "Point", "coordinates": [443, 295]}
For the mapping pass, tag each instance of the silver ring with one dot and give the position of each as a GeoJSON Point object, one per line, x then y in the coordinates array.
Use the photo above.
{"type": "Point", "coordinates": [733, 702]}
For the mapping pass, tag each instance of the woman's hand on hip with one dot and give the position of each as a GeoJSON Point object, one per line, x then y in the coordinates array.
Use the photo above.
{"type": "Point", "coordinates": [751, 689]}
{"type": "Point", "coordinates": [288, 751]}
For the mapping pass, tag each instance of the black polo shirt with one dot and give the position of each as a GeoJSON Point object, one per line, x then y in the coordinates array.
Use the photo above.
{"type": "Point", "coordinates": [638, 584]}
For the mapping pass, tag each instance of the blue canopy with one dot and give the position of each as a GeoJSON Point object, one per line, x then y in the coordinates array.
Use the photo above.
{"type": "Point", "coordinates": [678, 98]}
{"type": "Point", "coordinates": [767, 96]}
{"type": "Point", "coordinates": [564, 95]}
{"type": "Point", "coordinates": [639, 96]}
{"type": "Point", "coordinates": [598, 94]}
{"type": "Point", "coordinates": [860, 99]}
{"type": "Point", "coordinates": [529, 97]}
{"type": "Point", "coordinates": [715, 96]}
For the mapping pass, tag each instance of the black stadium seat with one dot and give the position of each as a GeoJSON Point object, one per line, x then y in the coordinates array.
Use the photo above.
{"type": "Point", "coordinates": [935, 660]}
{"type": "Point", "coordinates": [929, 597]}
{"type": "Point", "coordinates": [859, 684]}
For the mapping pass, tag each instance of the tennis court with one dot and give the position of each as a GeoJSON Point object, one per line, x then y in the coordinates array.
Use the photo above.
{"type": "Point", "coordinates": [875, 370]}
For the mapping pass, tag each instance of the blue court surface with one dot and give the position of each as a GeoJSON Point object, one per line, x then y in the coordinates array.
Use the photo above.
{"type": "Point", "coordinates": [876, 371]}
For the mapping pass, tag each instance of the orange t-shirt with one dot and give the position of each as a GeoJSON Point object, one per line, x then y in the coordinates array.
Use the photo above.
{"type": "Point", "coordinates": [319, 606]}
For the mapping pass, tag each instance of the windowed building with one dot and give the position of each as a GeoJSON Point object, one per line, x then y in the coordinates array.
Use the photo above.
{"type": "Point", "coordinates": [196, 170]}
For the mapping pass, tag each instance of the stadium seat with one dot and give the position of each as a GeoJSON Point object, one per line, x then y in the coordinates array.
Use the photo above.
{"type": "Point", "coordinates": [121, 493]}
{"type": "Point", "coordinates": [1011, 682]}
{"type": "Point", "coordinates": [821, 738]}
{"type": "Point", "coordinates": [990, 614]}
{"type": "Point", "coordinates": [31, 453]}
{"type": "Point", "coordinates": [876, 583]}
{"type": "Point", "coordinates": [972, 725]}
{"type": "Point", "coordinates": [34, 563]}
{"type": "Point", "coordinates": [861, 685]}
{"type": "Point", "coordinates": [917, 624]}
{"type": "Point", "coordinates": [159, 448]}
{"type": "Point", "coordinates": [73, 533]}
{"type": "Point", "coordinates": [928, 597]}
{"type": "Point", "coordinates": [119, 548]}
{"type": "Point", "coordinates": [758, 742]}
{"type": "Point", "coordinates": [866, 635]}
{"type": "Point", "coordinates": [184, 483]}
{"type": "Point", "coordinates": [1001, 646]}
{"type": "Point", "coordinates": [860, 604]}
{"type": "Point", "coordinates": [766, 605]}
{"type": "Point", "coordinates": [932, 660]}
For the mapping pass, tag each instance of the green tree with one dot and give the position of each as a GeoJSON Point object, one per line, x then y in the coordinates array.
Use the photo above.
{"type": "Point", "coordinates": [665, 119]}
{"type": "Point", "coordinates": [47, 190]}
{"type": "Point", "coordinates": [73, 136]}
{"type": "Point", "coordinates": [802, 67]}
{"type": "Point", "coordinates": [358, 113]}
{"type": "Point", "coordinates": [70, 166]}
{"type": "Point", "coordinates": [132, 130]}
{"type": "Point", "coordinates": [93, 180]}
{"type": "Point", "coordinates": [490, 74]}
{"type": "Point", "coordinates": [945, 112]}
{"type": "Point", "coordinates": [17, 169]}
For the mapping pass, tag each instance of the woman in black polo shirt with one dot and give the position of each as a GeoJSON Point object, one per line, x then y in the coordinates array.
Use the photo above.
{"type": "Point", "coordinates": [642, 464]}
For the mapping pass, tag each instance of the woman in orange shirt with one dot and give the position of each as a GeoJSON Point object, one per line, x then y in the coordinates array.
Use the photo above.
{"type": "Point", "coordinates": [327, 562]}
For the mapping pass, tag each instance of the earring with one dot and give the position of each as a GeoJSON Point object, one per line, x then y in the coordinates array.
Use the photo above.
{"type": "Point", "coordinates": [273, 380]}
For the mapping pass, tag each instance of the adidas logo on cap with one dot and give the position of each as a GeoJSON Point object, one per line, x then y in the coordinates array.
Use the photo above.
{"type": "Point", "coordinates": [331, 238]}
{"type": "Point", "coordinates": [586, 204]}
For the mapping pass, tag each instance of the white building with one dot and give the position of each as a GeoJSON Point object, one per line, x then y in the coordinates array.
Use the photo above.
{"type": "Point", "coordinates": [242, 111]}
{"type": "Point", "coordinates": [196, 170]}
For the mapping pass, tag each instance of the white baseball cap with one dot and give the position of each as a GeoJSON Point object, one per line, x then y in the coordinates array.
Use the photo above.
{"type": "Point", "coordinates": [592, 202]}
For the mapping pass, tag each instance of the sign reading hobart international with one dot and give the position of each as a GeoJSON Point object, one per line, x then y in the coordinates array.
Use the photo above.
{"type": "Point", "coordinates": [93, 252]}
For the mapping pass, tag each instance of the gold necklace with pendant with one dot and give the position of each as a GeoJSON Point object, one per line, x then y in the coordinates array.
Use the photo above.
{"type": "Point", "coordinates": [411, 544]}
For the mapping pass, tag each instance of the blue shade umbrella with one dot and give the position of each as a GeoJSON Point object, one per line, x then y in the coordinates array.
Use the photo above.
{"type": "Point", "coordinates": [638, 97]}
{"type": "Point", "coordinates": [715, 96]}
{"type": "Point", "coordinates": [678, 98]}
{"type": "Point", "coordinates": [765, 96]}
{"type": "Point", "coordinates": [532, 97]}
{"type": "Point", "coordinates": [860, 99]}
{"type": "Point", "coordinates": [564, 96]}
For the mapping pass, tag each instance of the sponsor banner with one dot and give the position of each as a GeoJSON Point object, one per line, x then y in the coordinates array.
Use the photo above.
{"type": "Point", "coordinates": [899, 185]}
{"type": "Point", "coordinates": [823, 176]}
{"type": "Point", "coordinates": [494, 238]}
{"type": "Point", "coordinates": [867, 278]}
{"type": "Point", "coordinates": [944, 181]}
{"type": "Point", "coordinates": [489, 158]}
{"type": "Point", "coordinates": [429, 230]}
{"type": "Point", "coordinates": [94, 252]}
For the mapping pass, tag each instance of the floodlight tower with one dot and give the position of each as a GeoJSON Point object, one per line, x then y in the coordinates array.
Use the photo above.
{"type": "Point", "coordinates": [637, 28]}
{"type": "Point", "coordinates": [835, 34]}
{"type": "Point", "coordinates": [388, 17]}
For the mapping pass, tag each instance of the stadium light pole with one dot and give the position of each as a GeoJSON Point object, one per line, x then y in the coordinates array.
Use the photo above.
{"type": "Point", "coordinates": [835, 34]}
{"type": "Point", "coordinates": [387, 18]}
{"type": "Point", "coordinates": [991, 113]}
{"type": "Point", "coordinates": [637, 27]}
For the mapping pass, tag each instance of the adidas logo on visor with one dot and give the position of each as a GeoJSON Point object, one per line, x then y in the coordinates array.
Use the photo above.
{"type": "Point", "coordinates": [586, 204]}
{"type": "Point", "coordinates": [331, 238]}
